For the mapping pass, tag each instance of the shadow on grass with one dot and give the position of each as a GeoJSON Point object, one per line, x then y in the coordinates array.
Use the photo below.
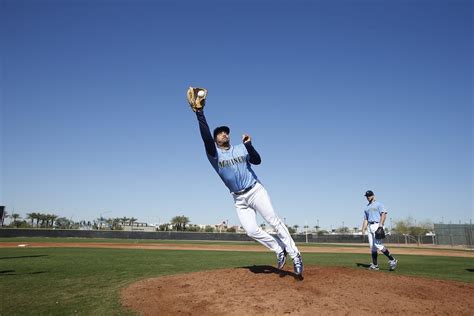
{"type": "Point", "coordinates": [364, 265]}
{"type": "Point", "coordinates": [269, 270]}
{"type": "Point", "coordinates": [470, 270]}
{"type": "Point", "coordinates": [13, 272]}
{"type": "Point", "coordinates": [21, 257]}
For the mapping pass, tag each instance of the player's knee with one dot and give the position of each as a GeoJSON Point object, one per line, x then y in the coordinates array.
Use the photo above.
{"type": "Point", "coordinates": [253, 232]}
{"type": "Point", "coordinates": [276, 223]}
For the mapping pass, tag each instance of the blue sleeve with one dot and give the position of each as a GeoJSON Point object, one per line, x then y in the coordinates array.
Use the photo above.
{"type": "Point", "coordinates": [206, 135]}
{"type": "Point", "coordinates": [254, 157]}
{"type": "Point", "coordinates": [366, 215]}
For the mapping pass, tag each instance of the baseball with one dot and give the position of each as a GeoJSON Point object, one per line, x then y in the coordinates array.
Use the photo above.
{"type": "Point", "coordinates": [201, 93]}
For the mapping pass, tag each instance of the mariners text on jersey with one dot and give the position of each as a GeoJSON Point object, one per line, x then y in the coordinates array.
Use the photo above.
{"type": "Point", "coordinates": [231, 162]}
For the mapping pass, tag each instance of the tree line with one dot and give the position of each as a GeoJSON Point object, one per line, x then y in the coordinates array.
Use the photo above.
{"type": "Point", "coordinates": [407, 226]}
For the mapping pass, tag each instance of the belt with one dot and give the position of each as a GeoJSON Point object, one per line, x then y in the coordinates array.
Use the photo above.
{"type": "Point", "coordinates": [373, 223]}
{"type": "Point", "coordinates": [246, 189]}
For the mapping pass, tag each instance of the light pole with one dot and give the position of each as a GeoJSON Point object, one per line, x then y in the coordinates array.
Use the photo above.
{"type": "Point", "coordinates": [306, 230]}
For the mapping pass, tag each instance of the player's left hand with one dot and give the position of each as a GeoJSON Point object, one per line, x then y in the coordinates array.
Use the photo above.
{"type": "Point", "coordinates": [246, 138]}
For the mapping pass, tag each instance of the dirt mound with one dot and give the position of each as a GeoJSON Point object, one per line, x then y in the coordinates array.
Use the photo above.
{"type": "Point", "coordinates": [263, 290]}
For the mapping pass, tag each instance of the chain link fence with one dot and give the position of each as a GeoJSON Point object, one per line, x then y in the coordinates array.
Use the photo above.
{"type": "Point", "coordinates": [454, 234]}
{"type": "Point", "coordinates": [445, 234]}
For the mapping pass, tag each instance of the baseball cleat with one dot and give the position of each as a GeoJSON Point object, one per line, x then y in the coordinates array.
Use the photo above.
{"type": "Point", "coordinates": [298, 265]}
{"type": "Point", "coordinates": [281, 259]}
{"type": "Point", "coordinates": [373, 267]}
{"type": "Point", "coordinates": [393, 264]}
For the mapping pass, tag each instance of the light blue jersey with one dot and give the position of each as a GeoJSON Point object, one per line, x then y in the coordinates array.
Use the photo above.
{"type": "Point", "coordinates": [373, 212]}
{"type": "Point", "coordinates": [233, 167]}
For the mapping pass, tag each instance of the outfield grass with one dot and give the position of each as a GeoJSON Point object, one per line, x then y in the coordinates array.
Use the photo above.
{"type": "Point", "coordinates": [197, 242]}
{"type": "Point", "coordinates": [87, 281]}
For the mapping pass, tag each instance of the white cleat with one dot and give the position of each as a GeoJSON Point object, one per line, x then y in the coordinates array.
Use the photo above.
{"type": "Point", "coordinates": [373, 267]}
{"type": "Point", "coordinates": [281, 259]}
{"type": "Point", "coordinates": [393, 264]}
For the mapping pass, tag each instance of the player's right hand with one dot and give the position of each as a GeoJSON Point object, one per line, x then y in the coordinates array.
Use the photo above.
{"type": "Point", "coordinates": [246, 138]}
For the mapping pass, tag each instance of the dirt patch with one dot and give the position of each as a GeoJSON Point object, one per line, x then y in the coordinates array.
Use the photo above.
{"type": "Point", "coordinates": [233, 247]}
{"type": "Point", "coordinates": [263, 290]}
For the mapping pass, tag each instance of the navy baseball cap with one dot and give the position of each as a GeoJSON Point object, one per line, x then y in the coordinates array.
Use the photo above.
{"type": "Point", "coordinates": [369, 193]}
{"type": "Point", "coordinates": [219, 129]}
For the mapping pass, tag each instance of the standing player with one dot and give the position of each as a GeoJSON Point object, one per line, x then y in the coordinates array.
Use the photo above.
{"type": "Point", "coordinates": [374, 217]}
{"type": "Point", "coordinates": [233, 165]}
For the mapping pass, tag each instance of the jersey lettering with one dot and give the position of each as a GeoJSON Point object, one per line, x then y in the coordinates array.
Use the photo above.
{"type": "Point", "coordinates": [231, 162]}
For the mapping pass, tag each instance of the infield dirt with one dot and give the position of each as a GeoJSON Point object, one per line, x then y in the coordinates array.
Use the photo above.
{"type": "Point", "coordinates": [264, 290]}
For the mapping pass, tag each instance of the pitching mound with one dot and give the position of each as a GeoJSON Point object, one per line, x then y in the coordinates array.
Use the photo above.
{"type": "Point", "coordinates": [263, 290]}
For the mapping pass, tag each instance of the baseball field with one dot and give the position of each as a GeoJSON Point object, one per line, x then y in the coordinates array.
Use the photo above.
{"type": "Point", "coordinates": [119, 277]}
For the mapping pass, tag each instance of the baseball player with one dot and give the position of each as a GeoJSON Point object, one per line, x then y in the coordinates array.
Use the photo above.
{"type": "Point", "coordinates": [233, 164]}
{"type": "Point", "coordinates": [374, 219]}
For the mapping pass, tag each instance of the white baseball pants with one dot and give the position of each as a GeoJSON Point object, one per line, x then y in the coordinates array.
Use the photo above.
{"type": "Point", "coordinates": [257, 200]}
{"type": "Point", "coordinates": [374, 244]}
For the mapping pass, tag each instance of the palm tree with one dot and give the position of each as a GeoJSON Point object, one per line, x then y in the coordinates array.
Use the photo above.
{"type": "Point", "coordinates": [185, 221]}
{"type": "Point", "coordinates": [15, 216]}
{"type": "Point", "coordinates": [52, 218]}
{"type": "Point", "coordinates": [37, 217]}
{"type": "Point", "coordinates": [176, 222]}
{"type": "Point", "coordinates": [63, 223]}
{"type": "Point", "coordinates": [115, 223]}
{"type": "Point", "coordinates": [31, 216]}
{"type": "Point", "coordinates": [132, 220]}
{"type": "Point", "coordinates": [42, 217]}
{"type": "Point", "coordinates": [46, 220]}
{"type": "Point", "coordinates": [180, 222]}
{"type": "Point", "coordinates": [124, 220]}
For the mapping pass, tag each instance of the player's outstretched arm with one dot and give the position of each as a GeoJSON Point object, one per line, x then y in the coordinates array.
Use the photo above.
{"type": "Point", "coordinates": [254, 157]}
{"type": "Point", "coordinates": [206, 134]}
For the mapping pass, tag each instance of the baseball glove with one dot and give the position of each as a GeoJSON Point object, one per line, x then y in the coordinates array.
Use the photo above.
{"type": "Point", "coordinates": [197, 98]}
{"type": "Point", "coordinates": [379, 233]}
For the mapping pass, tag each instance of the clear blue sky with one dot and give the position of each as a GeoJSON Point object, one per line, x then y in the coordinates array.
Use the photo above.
{"type": "Point", "coordinates": [339, 97]}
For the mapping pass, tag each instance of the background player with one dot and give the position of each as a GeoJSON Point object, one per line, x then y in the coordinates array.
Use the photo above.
{"type": "Point", "coordinates": [374, 217]}
{"type": "Point", "coordinates": [233, 164]}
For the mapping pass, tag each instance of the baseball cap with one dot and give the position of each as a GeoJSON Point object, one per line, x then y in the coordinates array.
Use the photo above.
{"type": "Point", "coordinates": [369, 193]}
{"type": "Point", "coordinates": [219, 129]}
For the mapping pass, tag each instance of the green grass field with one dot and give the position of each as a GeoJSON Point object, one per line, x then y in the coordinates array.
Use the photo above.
{"type": "Point", "coordinates": [87, 281]}
{"type": "Point", "coordinates": [196, 242]}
